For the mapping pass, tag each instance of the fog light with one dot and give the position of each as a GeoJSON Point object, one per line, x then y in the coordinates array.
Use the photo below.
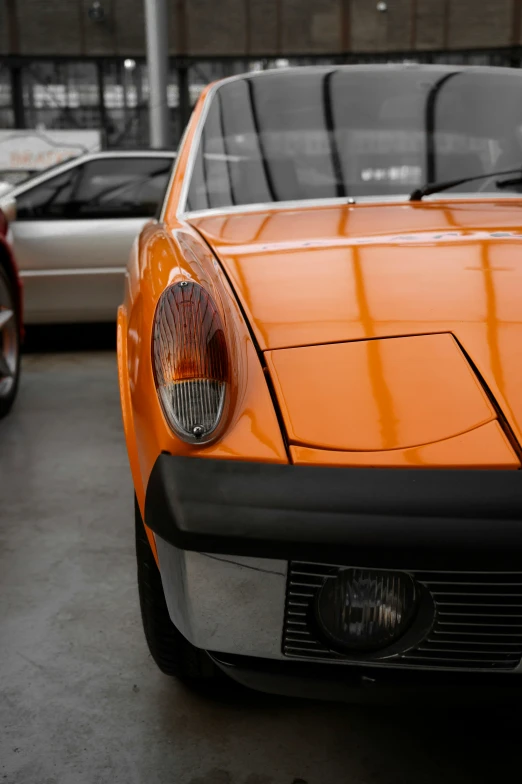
{"type": "Point", "coordinates": [364, 610]}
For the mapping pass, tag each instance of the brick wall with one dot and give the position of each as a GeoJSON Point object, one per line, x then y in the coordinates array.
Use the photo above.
{"type": "Point", "coordinates": [310, 26]}
{"type": "Point", "coordinates": [217, 27]}
{"type": "Point", "coordinates": [53, 28]}
{"type": "Point", "coordinates": [400, 25]}
{"type": "Point", "coordinates": [129, 24]}
{"type": "Point", "coordinates": [473, 23]}
{"type": "Point", "coordinates": [431, 24]}
{"type": "Point", "coordinates": [368, 27]}
{"type": "Point", "coordinates": [100, 38]}
{"type": "Point", "coordinates": [261, 27]}
{"type": "Point", "coordinates": [4, 28]}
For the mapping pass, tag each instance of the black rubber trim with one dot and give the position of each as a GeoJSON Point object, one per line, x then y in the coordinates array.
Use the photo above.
{"type": "Point", "coordinates": [400, 518]}
{"type": "Point", "coordinates": [366, 684]}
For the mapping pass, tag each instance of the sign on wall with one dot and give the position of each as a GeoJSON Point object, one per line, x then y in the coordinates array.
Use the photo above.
{"type": "Point", "coordinates": [37, 150]}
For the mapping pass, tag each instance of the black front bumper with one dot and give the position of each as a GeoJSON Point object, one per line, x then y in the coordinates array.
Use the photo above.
{"type": "Point", "coordinates": [367, 684]}
{"type": "Point", "coordinates": [381, 518]}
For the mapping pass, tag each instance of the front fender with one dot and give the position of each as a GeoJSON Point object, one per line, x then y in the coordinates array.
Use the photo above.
{"type": "Point", "coordinates": [161, 257]}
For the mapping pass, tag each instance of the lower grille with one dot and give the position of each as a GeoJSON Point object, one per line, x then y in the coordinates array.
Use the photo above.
{"type": "Point", "coordinates": [477, 625]}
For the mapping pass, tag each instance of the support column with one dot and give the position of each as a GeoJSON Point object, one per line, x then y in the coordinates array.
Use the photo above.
{"type": "Point", "coordinates": [156, 25]}
{"type": "Point", "coordinates": [100, 78]}
{"type": "Point", "coordinates": [17, 96]}
{"type": "Point", "coordinates": [184, 95]}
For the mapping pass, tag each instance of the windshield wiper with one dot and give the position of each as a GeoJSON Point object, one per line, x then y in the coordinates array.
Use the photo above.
{"type": "Point", "coordinates": [509, 183]}
{"type": "Point", "coordinates": [435, 187]}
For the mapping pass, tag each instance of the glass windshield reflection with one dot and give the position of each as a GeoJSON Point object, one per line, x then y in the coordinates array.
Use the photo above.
{"type": "Point", "coordinates": [354, 132]}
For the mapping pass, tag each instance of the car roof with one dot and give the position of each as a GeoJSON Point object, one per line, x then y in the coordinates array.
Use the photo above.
{"type": "Point", "coordinates": [133, 153]}
{"type": "Point", "coordinates": [39, 177]}
{"type": "Point", "coordinates": [371, 67]}
{"type": "Point", "coordinates": [274, 73]}
{"type": "Point", "coordinates": [122, 154]}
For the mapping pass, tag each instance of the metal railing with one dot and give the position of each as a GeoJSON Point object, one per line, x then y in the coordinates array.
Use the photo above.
{"type": "Point", "coordinates": [112, 94]}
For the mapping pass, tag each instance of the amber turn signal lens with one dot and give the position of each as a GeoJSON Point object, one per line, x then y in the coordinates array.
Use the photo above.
{"type": "Point", "coordinates": [190, 360]}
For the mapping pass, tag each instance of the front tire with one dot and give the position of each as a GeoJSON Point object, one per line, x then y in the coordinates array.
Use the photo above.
{"type": "Point", "coordinates": [173, 654]}
{"type": "Point", "coordinates": [9, 344]}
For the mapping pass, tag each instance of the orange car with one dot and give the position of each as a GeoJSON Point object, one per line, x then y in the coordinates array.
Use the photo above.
{"type": "Point", "coordinates": [320, 363]}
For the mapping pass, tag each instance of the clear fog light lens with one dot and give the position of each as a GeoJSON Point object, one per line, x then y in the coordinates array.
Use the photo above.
{"type": "Point", "coordinates": [363, 610]}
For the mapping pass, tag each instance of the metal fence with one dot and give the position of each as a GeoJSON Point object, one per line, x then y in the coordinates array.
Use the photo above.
{"type": "Point", "coordinates": [112, 94]}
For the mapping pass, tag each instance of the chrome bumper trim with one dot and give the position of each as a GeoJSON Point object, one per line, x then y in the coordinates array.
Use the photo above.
{"type": "Point", "coordinates": [227, 604]}
{"type": "Point", "coordinates": [236, 605]}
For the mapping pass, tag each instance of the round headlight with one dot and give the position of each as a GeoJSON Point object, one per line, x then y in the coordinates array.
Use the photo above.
{"type": "Point", "coordinates": [190, 358]}
{"type": "Point", "coordinates": [365, 610]}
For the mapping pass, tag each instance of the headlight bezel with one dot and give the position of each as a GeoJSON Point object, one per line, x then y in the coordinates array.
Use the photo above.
{"type": "Point", "coordinates": [184, 385]}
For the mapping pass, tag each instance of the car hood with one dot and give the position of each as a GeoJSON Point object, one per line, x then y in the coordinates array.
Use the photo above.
{"type": "Point", "coordinates": [336, 274]}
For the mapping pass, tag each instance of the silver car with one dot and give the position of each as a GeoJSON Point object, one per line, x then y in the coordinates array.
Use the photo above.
{"type": "Point", "coordinates": [72, 228]}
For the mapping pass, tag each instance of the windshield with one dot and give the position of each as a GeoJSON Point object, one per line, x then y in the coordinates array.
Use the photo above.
{"type": "Point", "coordinates": [353, 132]}
{"type": "Point", "coordinates": [24, 176]}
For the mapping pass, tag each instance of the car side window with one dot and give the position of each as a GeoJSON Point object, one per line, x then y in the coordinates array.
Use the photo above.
{"type": "Point", "coordinates": [121, 187]}
{"type": "Point", "coordinates": [51, 200]}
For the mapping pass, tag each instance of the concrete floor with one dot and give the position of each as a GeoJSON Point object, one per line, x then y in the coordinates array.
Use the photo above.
{"type": "Point", "coordinates": [81, 701]}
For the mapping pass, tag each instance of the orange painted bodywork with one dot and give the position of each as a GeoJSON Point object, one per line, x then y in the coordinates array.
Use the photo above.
{"type": "Point", "coordinates": [321, 287]}
{"type": "Point", "coordinates": [388, 395]}
{"type": "Point", "coordinates": [484, 447]}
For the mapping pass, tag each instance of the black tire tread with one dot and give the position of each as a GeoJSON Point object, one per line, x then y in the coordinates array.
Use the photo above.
{"type": "Point", "coordinates": [173, 654]}
{"type": "Point", "coordinates": [6, 402]}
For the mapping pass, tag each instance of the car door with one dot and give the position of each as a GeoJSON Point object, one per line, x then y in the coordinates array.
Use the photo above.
{"type": "Point", "coordinates": [73, 234]}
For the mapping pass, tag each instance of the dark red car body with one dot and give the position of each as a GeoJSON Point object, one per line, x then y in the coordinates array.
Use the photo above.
{"type": "Point", "coordinates": [7, 261]}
